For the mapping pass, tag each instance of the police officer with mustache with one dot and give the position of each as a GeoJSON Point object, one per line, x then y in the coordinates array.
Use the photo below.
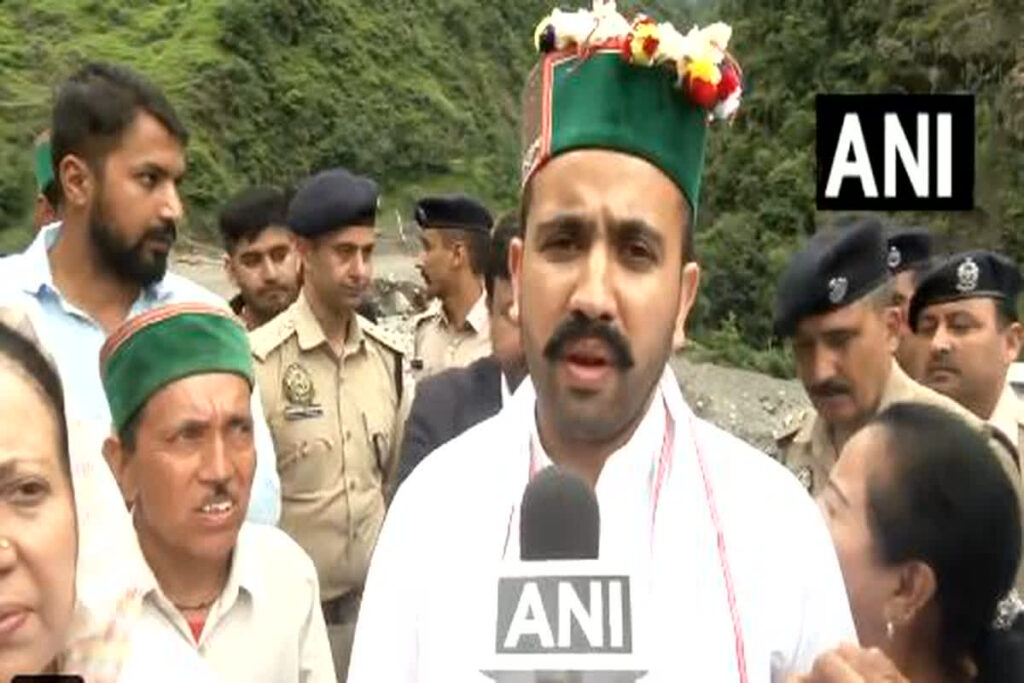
{"type": "Point", "coordinates": [834, 301]}
{"type": "Point", "coordinates": [966, 315]}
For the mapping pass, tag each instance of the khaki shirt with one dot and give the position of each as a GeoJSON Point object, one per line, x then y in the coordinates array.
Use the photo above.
{"type": "Point", "coordinates": [806, 448]}
{"type": "Point", "coordinates": [1008, 418]}
{"type": "Point", "coordinates": [335, 429]}
{"type": "Point", "coordinates": [440, 346]}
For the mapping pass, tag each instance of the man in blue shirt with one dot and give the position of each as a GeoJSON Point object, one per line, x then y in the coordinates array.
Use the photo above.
{"type": "Point", "coordinates": [118, 150]}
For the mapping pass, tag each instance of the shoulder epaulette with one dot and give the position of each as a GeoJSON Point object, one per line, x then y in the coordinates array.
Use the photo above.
{"type": "Point", "coordinates": [380, 336]}
{"type": "Point", "coordinates": [268, 337]}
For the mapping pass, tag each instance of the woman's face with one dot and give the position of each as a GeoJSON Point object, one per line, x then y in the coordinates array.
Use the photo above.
{"type": "Point", "coordinates": [38, 540]}
{"type": "Point", "coordinates": [844, 502]}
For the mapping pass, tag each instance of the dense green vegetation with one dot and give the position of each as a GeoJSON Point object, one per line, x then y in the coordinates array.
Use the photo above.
{"type": "Point", "coordinates": [759, 198]}
{"type": "Point", "coordinates": [423, 95]}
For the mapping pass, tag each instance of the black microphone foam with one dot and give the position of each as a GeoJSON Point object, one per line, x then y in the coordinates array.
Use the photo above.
{"type": "Point", "coordinates": [559, 518]}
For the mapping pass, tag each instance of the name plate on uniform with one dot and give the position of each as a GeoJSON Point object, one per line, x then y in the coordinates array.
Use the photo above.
{"type": "Point", "coordinates": [302, 412]}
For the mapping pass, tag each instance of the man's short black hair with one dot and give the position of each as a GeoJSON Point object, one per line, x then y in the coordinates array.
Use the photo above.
{"type": "Point", "coordinates": [476, 243]}
{"type": "Point", "coordinates": [507, 227]}
{"type": "Point", "coordinates": [250, 212]}
{"type": "Point", "coordinates": [95, 107]}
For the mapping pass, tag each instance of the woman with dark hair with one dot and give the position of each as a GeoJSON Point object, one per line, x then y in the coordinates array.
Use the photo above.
{"type": "Point", "coordinates": [928, 534]}
{"type": "Point", "coordinates": [38, 531]}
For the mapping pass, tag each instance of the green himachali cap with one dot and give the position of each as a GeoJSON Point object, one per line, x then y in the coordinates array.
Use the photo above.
{"type": "Point", "coordinates": [169, 343]}
{"type": "Point", "coordinates": [638, 87]}
{"type": "Point", "coordinates": [43, 161]}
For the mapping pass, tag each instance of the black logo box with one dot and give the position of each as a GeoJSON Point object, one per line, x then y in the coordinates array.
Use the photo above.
{"type": "Point", "coordinates": [831, 111]}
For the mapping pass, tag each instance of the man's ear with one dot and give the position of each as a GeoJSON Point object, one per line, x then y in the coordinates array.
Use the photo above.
{"type": "Point", "coordinates": [515, 269]}
{"type": "Point", "coordinates": [1014, 340]}
{"type": "Point", "coordinates": [687, 297]}
{"type": "Point", "coordinates": [459, 255]}
{"type": "Point", "coordinates": [304, 246]}
{"type": "Point", "coordinates": [229, 271]}
{"type": "Point", "coordinates": [122, 465]}
{"type": "Point", "coordinates": [77, 181]}
{"type": "Point", "coordinates": [892, 318]}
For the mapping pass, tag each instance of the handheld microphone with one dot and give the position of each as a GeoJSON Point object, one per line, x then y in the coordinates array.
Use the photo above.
{"type": "Point", "coordinates": [559, 518]}
{"type": "Point", "coordinates": [562, 615]}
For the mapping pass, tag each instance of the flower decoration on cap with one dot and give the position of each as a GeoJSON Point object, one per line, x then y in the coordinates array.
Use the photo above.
{"type": "Point", "coordinates": [708, 75]}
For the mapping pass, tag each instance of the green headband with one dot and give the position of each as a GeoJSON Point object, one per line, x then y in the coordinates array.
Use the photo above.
{"type": "Point", "coordinates": [166, 344]}
{"type": "Point", "coordinates": [43, 164]}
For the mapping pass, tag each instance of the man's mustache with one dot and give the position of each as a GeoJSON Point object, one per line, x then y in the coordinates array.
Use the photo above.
{"type": "Point", "coordinates": [166, 231]}
{"type": "Point", "coordinates": [828, 389]}
{"type": "Point", "coordinates": [578, 327]}
{"type": "Point", "coordinates": [220, 493]}
{"type": "Point", "coordinates": [941, 365]}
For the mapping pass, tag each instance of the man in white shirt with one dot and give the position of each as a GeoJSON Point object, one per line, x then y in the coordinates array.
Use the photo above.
{"type": "Point", "coordinates": [219, 599]}
{"type": "Point", "coordinates": [741, 578]}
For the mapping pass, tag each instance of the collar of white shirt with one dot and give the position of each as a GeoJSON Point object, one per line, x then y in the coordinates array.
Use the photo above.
{"type": "Point", "coordinates": [244, 575]}
{"type": "Point", "coordinates": [506, 394]}
{"type": "Point", "coordinates": [35, 275]}
{"type": "Point", "coordinates": [478, 317]}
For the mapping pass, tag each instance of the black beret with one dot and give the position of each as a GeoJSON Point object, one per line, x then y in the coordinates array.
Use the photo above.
{"type": "Point", "coordinates": [908, 247]}
{"type": "Point", "coordinates": [833, 270]}
{"type": "Point", "coordinates": [453, 211]}
{"type": "Point", "coordinates": [970, 275]}
{"type": "Point", "coordinates": [331, 200]}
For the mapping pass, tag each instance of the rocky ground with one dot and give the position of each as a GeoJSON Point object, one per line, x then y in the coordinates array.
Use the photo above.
{"type": "Point", "coordinates": [748, 404]}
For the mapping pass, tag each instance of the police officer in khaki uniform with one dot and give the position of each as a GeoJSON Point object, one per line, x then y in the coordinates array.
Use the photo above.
{"type": "Point", "coordinates": [965, 311]}
{"type": "Point", "coordinates": [331, 388]}
{"type": "Point", "coordinates": [835, 301]}
{"type": "Point", "coordinates": [455, 330]}
{"type": "Point", "coordinates": [909, 259]}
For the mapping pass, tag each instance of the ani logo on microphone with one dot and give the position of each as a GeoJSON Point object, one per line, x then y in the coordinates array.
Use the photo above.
{"type": "Point", "coordinates": [564, 614]}
{"type": "Point", "coordinates": [566, 620]}
{"type": "Point", "coordinates": [895, 152]}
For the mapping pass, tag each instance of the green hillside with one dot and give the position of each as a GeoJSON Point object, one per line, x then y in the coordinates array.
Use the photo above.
{"type": "Point", "coordinates": [421, 94]}
{"type": "Point", "coordinates": [759, 197]}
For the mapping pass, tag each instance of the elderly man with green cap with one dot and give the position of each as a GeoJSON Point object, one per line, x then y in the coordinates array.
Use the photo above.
{"type": "Point", "coordinates": [221, 599]}
{"type": "Point", "coordinates": [616, 117]}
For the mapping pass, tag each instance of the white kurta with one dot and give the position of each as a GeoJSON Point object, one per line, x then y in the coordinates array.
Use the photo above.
{"type": "Point", "coordinates": [448, 528]}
